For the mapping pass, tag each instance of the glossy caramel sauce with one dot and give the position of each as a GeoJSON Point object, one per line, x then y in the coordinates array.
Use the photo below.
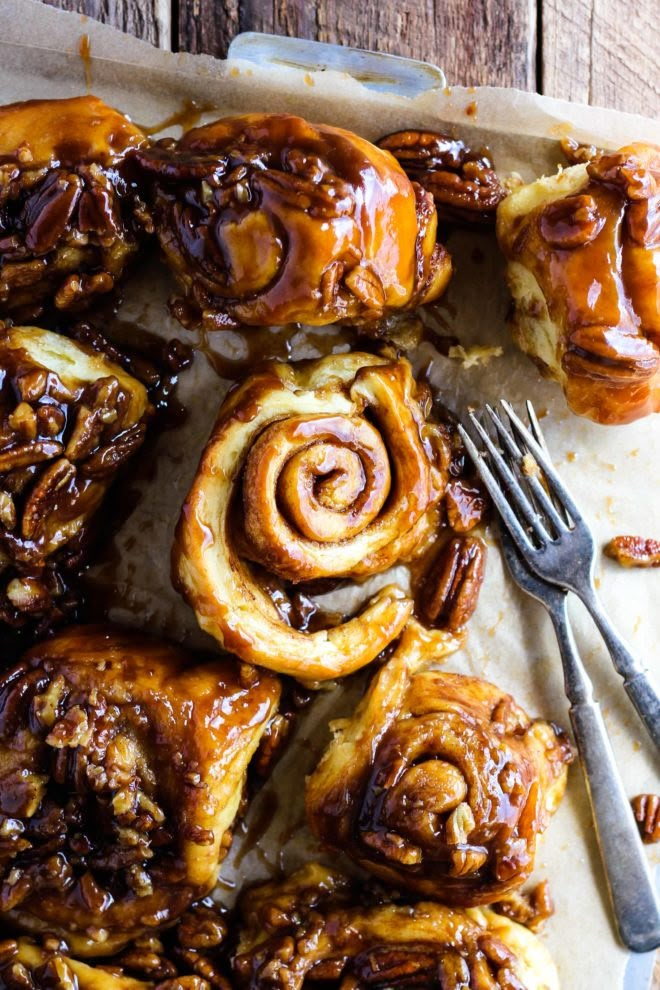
{"type": "Point", "coordinates": [290, 222]}
{"type": "Point", "coordinates": [186, 117]}
{"type": "Point", "coordinates": [595, 255]}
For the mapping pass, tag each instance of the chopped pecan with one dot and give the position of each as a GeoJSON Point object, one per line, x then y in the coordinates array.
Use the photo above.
{"type": "Point", "coordinates": [646, 808]}
{"type": "Point", "coordinates": [451, 589]}
{"type": "Point", "coordinates": [634, 551]}
{"type": "Point", "coordinates": [463, 182]}
{"type": "Point", "coordinates": [530, 908]}
{"type": "Point", "coordinates": [571, 222]}
{"type": "Point", "coordinates": [466, 503]}
{"type": "Point", "coordinates": [578, 154]}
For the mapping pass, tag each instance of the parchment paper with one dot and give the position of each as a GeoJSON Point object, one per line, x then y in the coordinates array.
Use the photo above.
{"type": "Point", "coordinates": [613, 472]}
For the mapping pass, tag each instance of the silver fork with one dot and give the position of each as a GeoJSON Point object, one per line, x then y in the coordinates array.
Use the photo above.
{"type": "Point", "coordinates": [551, 535]}
{"type": "Point", "coordinates": [629, 880]}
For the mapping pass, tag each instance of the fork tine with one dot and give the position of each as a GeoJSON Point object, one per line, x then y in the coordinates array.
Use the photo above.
{"type": "Point", "coordinates": [517, 495]}
{"type": "Point", "coordinates": [553, 478]}
{"type": "Point", "coordinates": [506, 512]}
{"type": "Point", "coordinates": [535, 485]}
{"type": "Point", "coordinates": [537, 433]}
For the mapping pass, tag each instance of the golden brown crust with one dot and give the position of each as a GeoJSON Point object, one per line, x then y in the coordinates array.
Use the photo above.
{"type": "Point", "coordinates": [122, 765]}
{"type": "Point", "coordinates": [339, 474]}
{"type": "Point", "coordinates": [584, 252]}
{"type": "Point", "coordinates": [69, 418]}
{"type": "Point", "coordinates": [67, 220]}
{"type": "Point", "coordinates": [634, 551]}
{"type": "Point", "coordinates": [462, 181]}
{"type": "Point", "coordinates": [439, 783]}
{"type": "Point", "coordinates": [269, 219]}
{"type": "Point", "coordinates": [316, 925]}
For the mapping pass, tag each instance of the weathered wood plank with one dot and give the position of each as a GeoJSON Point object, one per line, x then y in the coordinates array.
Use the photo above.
{"type": "Point", "coordinates": [602, 52]}
{"type": "Point", "coordinates": [476, 42]}
{"type": "Point", "coordinates": [150, 20]}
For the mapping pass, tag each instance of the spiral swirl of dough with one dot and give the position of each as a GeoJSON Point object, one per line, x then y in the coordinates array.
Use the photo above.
{"type": "Point", "coordinates": [325, 470]}
{"type": "Point", "coordinates": [439, 782]}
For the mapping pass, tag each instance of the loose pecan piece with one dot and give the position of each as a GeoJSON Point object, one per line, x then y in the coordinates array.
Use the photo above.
{"type": "Point", "coordinates": [646, 808]}
{"type": "Point", "coordinates": [634, 551]}
{"type": "Point", "coordinates": [453, 584]}
{"type": "Point", "coordinates": [462, 181]}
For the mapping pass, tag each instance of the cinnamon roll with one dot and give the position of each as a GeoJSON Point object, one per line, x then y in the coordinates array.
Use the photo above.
{"type": "Point", "coordinates": [319, 471]}
{"type": "Point", "coordinates": [269, 219]}
{"type": "Point", "coordinates": [189, 956]}
{"type": "Point", "coordinates": [439, 783]}
{"type": "Point", "coordinates": [69, 418]}
{"type": "Point", "coordinates": [463, 181]}
{"type": "Point", "coordinates": [69, 217]}
{"type": "Point", "coordinates": [317, 927]}
{"type": "Point", "coordinates": [583, 251]}
{"type": "Point", "coordinates": [122, 765]}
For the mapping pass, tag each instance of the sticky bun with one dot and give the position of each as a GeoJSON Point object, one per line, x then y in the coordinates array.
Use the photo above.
{"type": "Point", "coordinates": [583, 251]}
{"type": "Point", "coordinates": [122, 766]}
{"type": "Point", "coordinates": [188, 956]}
{"type": "Point", "coordinates": [314, 472]}
{"type": "Point", "coordinates": [269, 219]}
{"type": "Point", "coordinates": [462, 181]}
{"type": "Point", "coordinates": [318, 928]}
{"type": "Point", "coordinates": [439, 783]}
{"type": "Point", "coordinates": [69, 218]}
{"type": "Point", "coordinates": [69, 418]}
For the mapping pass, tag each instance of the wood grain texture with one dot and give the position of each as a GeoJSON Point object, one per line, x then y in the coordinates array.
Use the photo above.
{"type": "Point", "coordinates": [150, 20]}
{"type": "Point", "coordinates": [476, 43]}
{"type": "Point", "coordinates": [603, 52]}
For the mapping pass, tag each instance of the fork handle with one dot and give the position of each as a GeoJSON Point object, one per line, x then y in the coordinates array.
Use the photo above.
{"type": "Point", "coordinates": [634, 901]}
{"type": "Point", "coordinates": [637, 682]}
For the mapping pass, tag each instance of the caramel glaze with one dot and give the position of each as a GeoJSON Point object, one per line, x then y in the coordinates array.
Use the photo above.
{"type": "Point", "coordinates": [439, 783]}
{"type": "Point", "coordinates": [268, 219]}
{"type": "Point", "coordinates": [69, 419]}
{"type": "Point", "coordinates": [595, 255]}
{"type": "Point", "coordinates": [462, 180]}
{"type": "Point", "coordinates": [122, 763]}
{"type": "Point", "coordinates": [318, 928]}
{"type": "Point", "coordinates": [70, 216]}
{"type": "Point", "coordinates": [172, 960]}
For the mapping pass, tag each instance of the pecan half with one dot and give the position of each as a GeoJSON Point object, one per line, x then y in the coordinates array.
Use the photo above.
{"type": "Point", "coordinates": [462, 181]}
{"type": "Point", "coordinates": [634, 551]}
{"type": "Point", "coordinates": [453, 584]}
{"type": "Point", "coordinates": [571, 222]}
{"type": "Point", "coordinates": [646, 808]}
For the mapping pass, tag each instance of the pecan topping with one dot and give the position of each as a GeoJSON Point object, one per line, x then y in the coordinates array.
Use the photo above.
{"type": "Point", "coordinates": [316, 925]}
{"type": "Point", "coordinates": [451, 589]}
{"type": "Point", "coordinates": [69, 219]}
{"type": "Point", "coordinates": [463, 182]}
{"type": "Point", "coordinates": [571, 222]}
{"type": "Point", "coordinates": [78, 419]}
{"type": "Point", "coordinates": [646, 808]}
{"type": "Point", "coordinates": [269, 219]}
{"type": "Point", "coordinates": [634, 551]}
{"type": "Point", "coordinates": [101, 837]}
{"type": "Point", "coordinates": [438, 783]}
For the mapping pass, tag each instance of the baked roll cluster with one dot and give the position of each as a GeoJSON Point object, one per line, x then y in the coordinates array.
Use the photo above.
{"type": "Point", "coordinates": [583, 252]}
{"type": "Point", "coordinates": [69, 419]}
{"type": "Point", "coordinates": [319, 471]}
{"type": "Point", "coordinates": [122, 767]}
{"type": "Point", "coordinates": [69, 218]}
{"type": "Point", "coordinates": [269, 219]}
{"type": "Point", "coordinates": [439, 783]}
{"type": "Point", "coordinates": [314, 928]}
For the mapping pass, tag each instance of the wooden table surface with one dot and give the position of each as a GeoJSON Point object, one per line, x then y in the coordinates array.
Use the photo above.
{"type": "Point", "coordinates": [604, 52]}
